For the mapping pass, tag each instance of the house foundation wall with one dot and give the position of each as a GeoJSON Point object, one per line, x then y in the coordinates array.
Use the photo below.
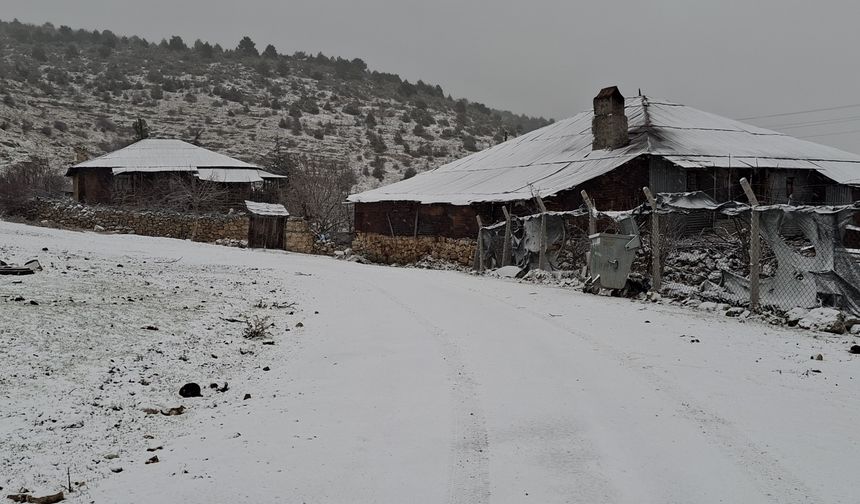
{"type": "Point", "coordinates": [408, 249]}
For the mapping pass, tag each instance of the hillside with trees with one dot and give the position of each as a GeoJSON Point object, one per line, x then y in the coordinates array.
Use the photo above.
{"type": "Point", "coordinates": [68, 94]}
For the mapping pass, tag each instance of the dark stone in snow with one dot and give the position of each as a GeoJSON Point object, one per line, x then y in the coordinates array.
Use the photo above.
{"type": "Point", "coordinates": [266, 368]}
{"type": "Point", "coordinates": [247, 396]}
{"type": "Point", "coordinates": [855, 349]}
{"type": "Point", "coordinates": [190, 390]}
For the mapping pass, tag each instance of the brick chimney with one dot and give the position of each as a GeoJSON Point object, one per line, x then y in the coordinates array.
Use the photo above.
{"type": "Point", "coordinates": [609, 126]}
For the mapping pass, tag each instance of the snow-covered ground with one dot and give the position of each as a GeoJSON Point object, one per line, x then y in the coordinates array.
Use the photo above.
{"type": "Point", "coordinates": [402, 385]}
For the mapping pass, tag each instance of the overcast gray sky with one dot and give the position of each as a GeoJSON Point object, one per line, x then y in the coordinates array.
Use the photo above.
{"type": "Point", "coordinates": [738, 58]}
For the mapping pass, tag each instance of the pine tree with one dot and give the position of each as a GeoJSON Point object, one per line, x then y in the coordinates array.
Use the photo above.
{"type": "Point", "coordinates": [247, 47]}
{"type": "Point", "coordinates": [141, 129]}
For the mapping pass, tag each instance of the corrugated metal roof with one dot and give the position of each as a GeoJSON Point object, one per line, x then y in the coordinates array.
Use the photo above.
{"type": "Point", "coordinates": [229, 175]}
{"type": "Point", "coordinates": [267, 175]}
{"type": "Point", "coordinates": [273, 209]}
{"type": "Point", "coordinates": [154, 155]}
{"type": "Point", "coordinates": [559, 156]}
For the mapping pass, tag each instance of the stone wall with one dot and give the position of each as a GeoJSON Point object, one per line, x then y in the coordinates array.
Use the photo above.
{"type": "Point", "coordinates": [408, 249]}
{"type": "Point", "coordinates": [299, 237]}
{"type": "Point", "coordinates": [202, 228]}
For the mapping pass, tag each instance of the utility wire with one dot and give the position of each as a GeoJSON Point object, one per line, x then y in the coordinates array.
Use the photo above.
{"type": "Point", "coordinates": [856, 105]}
{"type": "Point", "coordinates": [832, 134]}
{"type": "Point", "coordinates": [808, 124]}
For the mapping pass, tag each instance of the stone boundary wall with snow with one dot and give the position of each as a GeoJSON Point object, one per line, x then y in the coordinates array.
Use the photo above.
{"type": "Point", "coordinates": [408, 249]}
{"type": "Point", "coordinates": [298, 236]}
{"type": "Point", "coordinates": [166, 223]}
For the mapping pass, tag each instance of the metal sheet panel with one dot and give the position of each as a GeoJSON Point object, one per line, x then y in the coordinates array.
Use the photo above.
{"type": "Point", "coordinates": [273, 209]}
{"type": "Point", "coordinates": [229, 175]}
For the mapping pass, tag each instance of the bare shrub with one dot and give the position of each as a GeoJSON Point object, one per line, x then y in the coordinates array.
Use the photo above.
{"type": "Point", "coordinates": [181, 192]}
{"type": "Point", "coordinates": [23, 181]}
{"type": "Point", "coordinates": [317, 190]}
{"type": "Point", "coordinates": [257, 328]}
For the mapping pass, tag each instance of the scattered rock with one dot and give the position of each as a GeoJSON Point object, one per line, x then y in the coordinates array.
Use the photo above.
{"type": "Point", "coordinates": [300, 324]}
{"type": "Point", "coordinates": [855, 349]}
{"type": "Point", "coordinates": [823, 319]}
{"type": "Point", "coordinates": [152, 460]}
{"type": "Point", "coordinates": [150, 328]}
{"type": "Point", "coordinates": [247, 396]}
{"type": "Point", "coordinates": [710, 306]}
{"type": "Point", "coordinates": [116, 469]}
{"type": "Point", "coordinates": [215, 387]}
{"type": "Point", "coordinates": [174, 411]}
{"type": "Point", "coordinates": [818, 357]}
{"type": "Point", "coordinates": [190, 390]}
{"type": "Point", "coordinates": [793, 316]}
{"type": "Point", "coordinates": [47, 499]}
{"type": "Point", "coordinates": [266, 368]}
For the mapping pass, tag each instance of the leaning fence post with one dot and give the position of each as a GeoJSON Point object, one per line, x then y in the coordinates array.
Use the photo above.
{"type": "Point", "coordinates": [506, 246]}
{"type": "Point", "coordinates": [755, 246]}
{"type": "Point", "coordinates": [592, 227]}
{"type": "Point", "coordinates": [657, 271]}
{"type": "Point", "coordinates": [542, 263]}
{"type": "Point", "coordinates": [592, 218]}
{"type": "Point", "coordinates": [479, 250]}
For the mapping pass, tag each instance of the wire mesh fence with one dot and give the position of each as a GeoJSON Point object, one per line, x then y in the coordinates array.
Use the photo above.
{"type": "Point", "coordinates": [804, 254]}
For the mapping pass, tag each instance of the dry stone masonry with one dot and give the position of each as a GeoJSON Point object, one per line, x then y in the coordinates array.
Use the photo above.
{"type": "Point", "coordinates": [408, 249]}
{"type": "Point", "coordinates": [299, 237]}
{"type": "Point", "coordinates": [166, 223]}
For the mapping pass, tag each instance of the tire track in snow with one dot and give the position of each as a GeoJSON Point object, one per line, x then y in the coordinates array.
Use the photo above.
{"type": "Point", "coordinates": [775, 481]}
{"type": "Point", "coordinates": [469, 478]}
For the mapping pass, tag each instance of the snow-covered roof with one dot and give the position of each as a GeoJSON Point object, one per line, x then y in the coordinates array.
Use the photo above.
{"type": "Point", "coordinates": [266, 209]}
{"type": "Point", "coordinates": [159, 155]}
{"type": "Point", "coordinates": [559, 156]}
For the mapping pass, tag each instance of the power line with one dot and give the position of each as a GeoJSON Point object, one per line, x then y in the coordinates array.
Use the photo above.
{"type": "Point", "coordinates": [821, 122]}
{"type": "Point", "coordinates": [831, 134]}
{"type": "Point", "coordinates": [825, 109]}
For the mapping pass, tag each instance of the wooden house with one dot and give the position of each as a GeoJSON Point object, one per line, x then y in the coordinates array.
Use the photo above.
{"type": "Point", "coordinates": [611, 151]}
{"type": "Point", "coordinates": [155, 172]}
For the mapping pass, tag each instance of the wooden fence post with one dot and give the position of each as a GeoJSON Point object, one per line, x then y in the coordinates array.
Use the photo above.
{"type": "Point", "coordinates": [506, 247]}
{"type": "Point", "coordinates": [479, 250]}
{"type": "Point", "coordinates": [592, 227]}
{"type": "Point", "coordinates": [592, 218]}
{"type": "Point", "coordinates": [656, 270]}
{"type": "Point", "coordinates": [755, 246]}
{"type": "Point", "coordinates": [542, 262]}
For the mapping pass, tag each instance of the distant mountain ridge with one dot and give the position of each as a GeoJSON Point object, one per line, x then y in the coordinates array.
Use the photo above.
{"type": "Point", "coordinates": [69, 94]}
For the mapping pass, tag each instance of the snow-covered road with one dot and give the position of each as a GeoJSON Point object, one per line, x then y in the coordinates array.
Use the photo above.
{"type": "Point", "coordinates": [426, 386]}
